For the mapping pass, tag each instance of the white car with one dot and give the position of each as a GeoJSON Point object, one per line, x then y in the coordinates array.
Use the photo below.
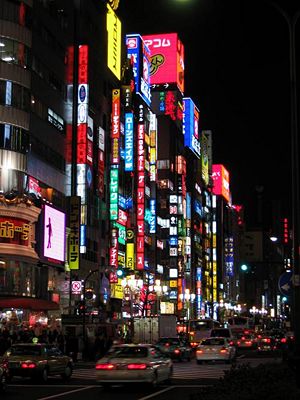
{"type": "Point", "coordinates": [133, 363]}
{"type": "Point", "coordinates": [215, 349]}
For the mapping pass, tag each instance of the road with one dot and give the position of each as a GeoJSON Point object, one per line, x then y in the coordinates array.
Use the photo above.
{"type": "Point", "coordinates": [188, 377]}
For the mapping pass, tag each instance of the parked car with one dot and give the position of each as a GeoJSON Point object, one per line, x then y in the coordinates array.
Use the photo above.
{"type": "Point", "coordinates": [37, 361]}
{"type": "Point", "coordinates": [175, 348]}
{"type": "Point", "coordinates": [215, 349]}
{"type": "Point", "coordinates": [3, 376]}
{"type": "Point", "coordinates": [133, 363]}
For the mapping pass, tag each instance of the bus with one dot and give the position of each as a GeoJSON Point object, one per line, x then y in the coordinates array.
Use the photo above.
{"type": "Point", "coordinates": [198, 329]}
{"type": "Point", "coordinates": [240, 323]}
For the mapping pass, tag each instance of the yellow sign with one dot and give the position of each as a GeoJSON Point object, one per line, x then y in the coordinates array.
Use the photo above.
{"type": "Point", "coordinates": [116, 290]}
{"type": "Point", "coordinates": [114, 38]}
{"type": "Point", "coordinates": [173, 283]}
{"type": "Point", "coordinates": [130, 255]}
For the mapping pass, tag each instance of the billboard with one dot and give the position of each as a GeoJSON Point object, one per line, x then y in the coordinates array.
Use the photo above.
{"type": "Point", "coordinates": [191, 126]}
{"type": "Point", "coordinates": [167, 59]}
{"type": "Point", "coordinates": [114, 42]}
{"type": "Point", "coordinates": [139, 53]}
{"type": "Point", "coordinates": [220, 177]}
{"type": "Point", "coordinates": [54, 229]}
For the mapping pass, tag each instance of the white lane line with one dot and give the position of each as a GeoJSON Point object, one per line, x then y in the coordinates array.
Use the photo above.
{"type": "Point", "coordinates": [156, 393]}
{"type": "Point", "coordinates": [66, 393]}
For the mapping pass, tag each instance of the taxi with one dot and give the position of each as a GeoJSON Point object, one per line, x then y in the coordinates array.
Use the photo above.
{"type": "Point", "coordinates": [37, 361]}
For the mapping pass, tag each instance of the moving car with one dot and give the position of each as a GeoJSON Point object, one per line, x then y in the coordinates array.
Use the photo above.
{"type": "Point", "coordinates": [37, 361]}
{"type": "Point", "coordinates": [133, 363]}
{"type": "Point", "coordinates": [266, 344]}
{"type": "Point", "coordinates": [3, 376]}
{"type": "Point", "coordinates": [175, 348]}
{"type": "Point", "coordinates": [245, 341]}
{"type": "Point", "coordinates": [215, 349]}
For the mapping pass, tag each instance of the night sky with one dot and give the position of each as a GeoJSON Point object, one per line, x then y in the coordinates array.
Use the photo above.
{"type": "Point", "coordinates": [237, 73]}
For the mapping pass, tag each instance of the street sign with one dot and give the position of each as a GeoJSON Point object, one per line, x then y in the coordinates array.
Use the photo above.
{"type": "Point", "coordinates": [285, 283]}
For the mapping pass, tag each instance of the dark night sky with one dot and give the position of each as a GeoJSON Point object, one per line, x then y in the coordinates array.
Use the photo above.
{"type": "Point", "coordinates": [237, 73]}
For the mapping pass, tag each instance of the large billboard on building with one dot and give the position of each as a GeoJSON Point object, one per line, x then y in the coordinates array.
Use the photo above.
{"type": "Point", "coordinates": [191, 126]}
{"type": "Point", "coordinates": [167, 59]}
{"type": "Point", "coordinates": [139, 53]}
{"type": "Point", "coordinates": [54, 234]}
{"type": "Point", "coordinates": [114, 42]}
{"type": "Point", "coordinates": [220, 177]}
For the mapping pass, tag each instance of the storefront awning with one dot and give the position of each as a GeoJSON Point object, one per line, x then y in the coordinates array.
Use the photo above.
{"type": "Point", "coordinates": [28, 303]}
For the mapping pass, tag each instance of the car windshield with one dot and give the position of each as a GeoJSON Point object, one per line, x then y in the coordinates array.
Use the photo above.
{"type": "Point", "coordinates": [132, 352]}
{"type": "Point", "coordinates": [213, 342]}
{"type": "Point", "coordinates": [26, 350]}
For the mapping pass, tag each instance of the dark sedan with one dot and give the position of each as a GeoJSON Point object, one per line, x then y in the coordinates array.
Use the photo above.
{"type": "Point", "coordinates": [37, 361]}
{"type": "Point", "coordinates": [175, 348]}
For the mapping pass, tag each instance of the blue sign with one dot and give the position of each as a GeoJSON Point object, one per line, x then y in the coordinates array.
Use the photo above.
{"type": "Point", "coordinates": [129, 142]}
{"type": "Point", "coordinates": [285, 284]}
{"type": "Point", "coordinates": [140, 54]}
{"type": "Point", "coordinates": [190, 126]}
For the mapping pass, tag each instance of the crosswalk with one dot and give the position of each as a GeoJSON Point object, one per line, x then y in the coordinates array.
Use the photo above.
{"type": "Point", "coordinates": [182, 371]}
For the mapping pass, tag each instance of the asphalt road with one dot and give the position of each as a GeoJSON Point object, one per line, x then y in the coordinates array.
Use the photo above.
{"type": "Point", "coordinates": [187, 379]}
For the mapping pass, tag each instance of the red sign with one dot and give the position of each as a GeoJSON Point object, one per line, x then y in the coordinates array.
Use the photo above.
{"type": "Point", "coordinates": [14, 231]}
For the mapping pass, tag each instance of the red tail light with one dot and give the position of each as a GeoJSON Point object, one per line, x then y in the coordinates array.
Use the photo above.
{"type": "Point", "coordinates": [223, 350]}
{"type": "Point", "coordinates": [199, 351]}
{"type": "Point", "coordinates": [176, 351]}
{"type": "Point", "coordinates": [28, 365]}
{"type": "Point", "coordinates": [167, 344]}
{"type": "Point", "coordinates": [231, 343]}
{"type": "Point", "coordinates": [283, 340]}
{"type": "Point", "coordinates": [136, 366]}
{"type": "Point", "coordinates": [106, 367]}
{"type": "Point", "coordinates": [267, 340]}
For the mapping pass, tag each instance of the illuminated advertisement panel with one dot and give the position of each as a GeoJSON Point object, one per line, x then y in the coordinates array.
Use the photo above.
{"type": "Point", "coordinates": [140, 208]}
{"type": "Point", "coordinates": [74, 235]}
{"type": "Point", "coordinates": [129, 144]}
{"type": "Point", "coordinates": [191, 125]}
{"type": "Point", "coordinates": [115, 130]}
{"type": "Point", "coordinates": [54, 233]}
{"type": "Point", "coordinates": [139, 53]}
{"type": "Point", "coordinates": [114, 188]}
{"type": "Point", "coordinates": [167, 59]}
{"type": "Point", "coordinates": [114, 42]}
{"type": "Point", "coordinates": [220, 177]}
{"type": "Point", "coordinates": [14, 231]}
{"type": "Point", "coordinates": [204, 159]}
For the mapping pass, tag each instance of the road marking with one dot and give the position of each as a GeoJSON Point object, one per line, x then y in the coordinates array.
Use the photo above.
{"type": "Point", "coordinates": [66, 393]}
{"type": "Point", "coordinates": [156, 393]}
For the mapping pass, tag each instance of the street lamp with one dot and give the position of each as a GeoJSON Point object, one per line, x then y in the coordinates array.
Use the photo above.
{"type": "Point", "coordinates": [187, 298]}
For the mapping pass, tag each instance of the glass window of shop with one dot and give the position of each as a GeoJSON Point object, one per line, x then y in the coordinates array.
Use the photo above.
{"type": "Point", "coordinates": [14, 52]}
{"type": "Point", "coordinates": [14, 138]}
{"type": "Point", "coordinates": [17, 12]}
{"type": "Point", "coordinates": [17, 278]}
{"type": "Point", "coordinates": [14, 95]}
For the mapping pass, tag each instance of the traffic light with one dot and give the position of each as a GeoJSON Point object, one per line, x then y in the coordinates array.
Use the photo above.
{"type": "Point", "coordinates": [80, 308]}
{"type": "Point", "coordinates": [244, 268]}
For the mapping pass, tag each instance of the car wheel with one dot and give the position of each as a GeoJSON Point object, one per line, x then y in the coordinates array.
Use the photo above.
{"type": "Point", "coordinates": [44, 375]}
{"type": "Point", "coordinates": [154, 382]}
{"type": "Point", "coordinates": [68, 373]}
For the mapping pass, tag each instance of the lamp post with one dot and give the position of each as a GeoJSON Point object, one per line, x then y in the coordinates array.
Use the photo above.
{"type": "Point", "coordinates": [291, 22]}
{"type": "Point", "coordinates": [84, 304]}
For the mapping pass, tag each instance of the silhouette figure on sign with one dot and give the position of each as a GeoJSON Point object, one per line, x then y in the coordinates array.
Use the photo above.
{"type": "Point", "coordinates": [49, 226]}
